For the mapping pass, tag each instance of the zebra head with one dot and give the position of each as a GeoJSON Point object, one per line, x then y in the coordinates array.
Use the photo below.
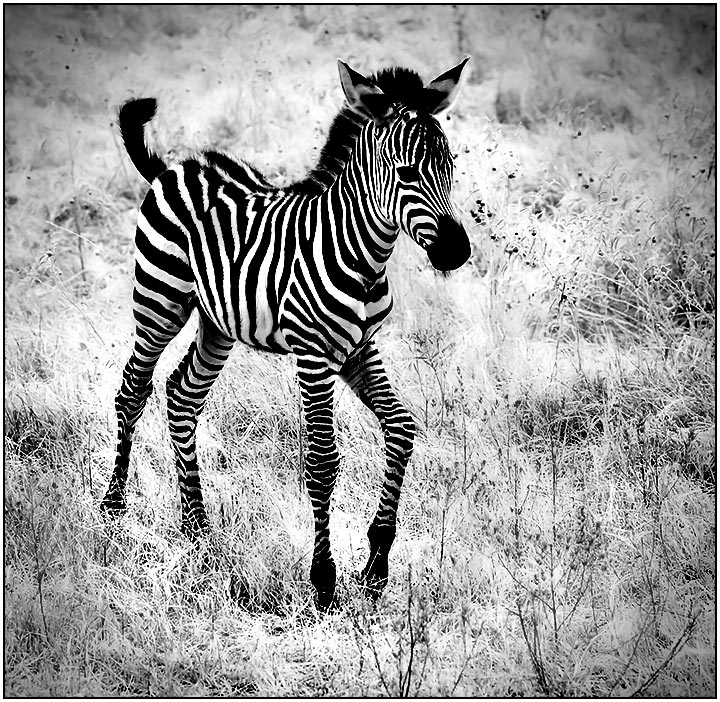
{"type": "Point", "coordinates": [412, 158]}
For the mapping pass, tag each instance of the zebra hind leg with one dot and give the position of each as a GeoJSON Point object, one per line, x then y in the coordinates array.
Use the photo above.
{"type": "Point", "coordinates": [130, 402]}
{"type": "Point", "coordinates": [187, 389]}
{"type": "Point", "coordinates": [366, 375]}
{"type": "Point", "coordinates": [156, 325]}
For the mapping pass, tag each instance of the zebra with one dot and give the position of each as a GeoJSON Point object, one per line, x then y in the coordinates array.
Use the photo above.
{"type": "Point", "coordinates": [300, 269]}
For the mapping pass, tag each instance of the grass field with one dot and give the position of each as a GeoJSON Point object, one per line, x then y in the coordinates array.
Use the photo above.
{"type": "Point", "coordinates": [557, 527]}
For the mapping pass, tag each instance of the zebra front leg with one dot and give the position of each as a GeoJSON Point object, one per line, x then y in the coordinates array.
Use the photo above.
{"type": "Point", "coordinates": [366, 375]}
{"type": "Point", "coordinates": [187, 389]}
{"type": "Point", "coordinates": [321, 468]}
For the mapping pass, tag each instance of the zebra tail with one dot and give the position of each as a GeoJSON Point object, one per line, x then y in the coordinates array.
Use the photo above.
{"type": "Point", "coordinates": [133, 116]}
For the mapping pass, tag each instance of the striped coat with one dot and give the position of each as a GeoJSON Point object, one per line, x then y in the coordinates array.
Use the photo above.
{"type": "Point", "coordinates": [298, 270]}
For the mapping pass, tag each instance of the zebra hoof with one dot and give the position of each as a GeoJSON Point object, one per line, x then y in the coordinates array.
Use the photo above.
{"type": "Point", "coordinates": [323, 577]}
{"type": "Point", "coordinates": [326, 602]}
{"type": "Point", "coordinates": [195, 531]}
{"type": "Point", "coordinates": [374, 590]}
{"type": "Point", "coordinates": [195, 525]}
{"type": "Point", "coordinates": [372, 587]}
{"type": "Point", "coordinates": [113, 506]}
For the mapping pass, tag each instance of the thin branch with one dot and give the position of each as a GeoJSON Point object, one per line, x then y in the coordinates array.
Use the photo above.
{"type": "Point", "coordinates": [682, 640]}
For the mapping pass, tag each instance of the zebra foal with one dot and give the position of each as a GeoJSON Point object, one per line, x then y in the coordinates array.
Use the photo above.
{"type": "Point", "coordinates": [300, 270]}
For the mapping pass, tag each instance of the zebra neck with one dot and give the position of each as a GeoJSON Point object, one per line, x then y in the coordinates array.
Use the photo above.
{"type": "Point", "coordinates": [351, 213]}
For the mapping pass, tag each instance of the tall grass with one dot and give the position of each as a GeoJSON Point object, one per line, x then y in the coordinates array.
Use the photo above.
{"type": "Point", "coordinates": [557, 531]}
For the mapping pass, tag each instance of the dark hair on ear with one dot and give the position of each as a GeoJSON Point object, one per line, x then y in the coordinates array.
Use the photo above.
{"type": "Point", "coordinates": [378, 104]}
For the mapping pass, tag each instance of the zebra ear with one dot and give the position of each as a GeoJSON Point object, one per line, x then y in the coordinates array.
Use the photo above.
{"type": "Point", "coordinates": [363, 96]}
{"type": "Point", "coordinates": [442, 92]}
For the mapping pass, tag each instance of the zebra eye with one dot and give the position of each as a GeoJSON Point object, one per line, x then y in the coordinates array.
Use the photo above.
{"type": "Point", "coordinates": [408, 174]}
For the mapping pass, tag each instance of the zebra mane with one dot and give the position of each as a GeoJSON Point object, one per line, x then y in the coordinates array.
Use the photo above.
{"type": "Point", "coordinates": [401, 85]}
{"type": "Point", "coordinates": [344, 132]}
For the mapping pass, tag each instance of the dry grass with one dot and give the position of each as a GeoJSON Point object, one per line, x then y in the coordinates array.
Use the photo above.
{"type": "Point", "coordinates": [557, 530]}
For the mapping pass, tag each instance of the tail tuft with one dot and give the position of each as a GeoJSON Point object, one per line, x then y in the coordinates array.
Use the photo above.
{"type": "Point", "coordinates": [137, 111]}
{"type": "Point", "coordinates": [133, 116]}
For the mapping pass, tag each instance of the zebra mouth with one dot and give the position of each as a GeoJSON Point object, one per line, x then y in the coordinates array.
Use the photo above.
{"type": "Point", "coordinates": [451, 248]}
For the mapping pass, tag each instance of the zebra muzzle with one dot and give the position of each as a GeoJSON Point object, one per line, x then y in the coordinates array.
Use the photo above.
{"type": "Point", "coordinates": [451, 248]}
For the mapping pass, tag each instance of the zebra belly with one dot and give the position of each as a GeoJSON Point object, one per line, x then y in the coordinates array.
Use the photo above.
{"type": "Point", "coordinates": [256, 317]}
{"type": "Point", "coordinates": [247, 313]}
{"type": "Point", "coordinates": [315, 323]}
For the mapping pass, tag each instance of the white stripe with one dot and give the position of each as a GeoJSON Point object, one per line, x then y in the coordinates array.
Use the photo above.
{"type": "Point", "coordinates": [226, 277]}
{"type": "Point", "coordinates": [157, 240]}
{"type": "Point", "coordinates": [160, 274]}
{"type": "Point", "coordinates": [210, 306]}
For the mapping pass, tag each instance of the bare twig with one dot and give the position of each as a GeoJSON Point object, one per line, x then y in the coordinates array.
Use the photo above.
{"type": "Point", "coordinates": [674, 650]}
{"type": "Point", "coordinates": [534, 649]}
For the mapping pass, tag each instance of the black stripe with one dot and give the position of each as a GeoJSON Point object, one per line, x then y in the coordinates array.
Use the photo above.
{"type": "Point", "coordinates": [164, 261]}
{"type": "Point", "coordinates": [160, 223]}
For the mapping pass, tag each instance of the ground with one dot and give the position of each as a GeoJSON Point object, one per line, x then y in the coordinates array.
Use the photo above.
{"type": "Point", "coordinates": [557, 527]}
